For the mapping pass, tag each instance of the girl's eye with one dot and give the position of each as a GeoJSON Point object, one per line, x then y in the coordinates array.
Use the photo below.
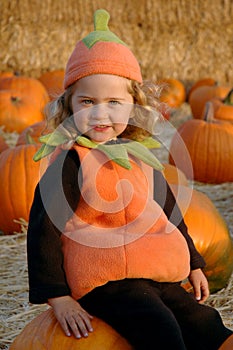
{"type": "Point", "coordinates": [114, 102]}
{"type": "Point", "coordinates": [87, 102]}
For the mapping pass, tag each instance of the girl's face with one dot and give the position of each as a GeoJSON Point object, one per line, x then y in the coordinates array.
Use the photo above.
{"type": "Point", "coordinates": [101, 105]}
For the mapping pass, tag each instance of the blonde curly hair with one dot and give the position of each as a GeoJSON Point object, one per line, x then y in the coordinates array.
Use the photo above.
{"type": "Point", "coordinates": [142, 123]}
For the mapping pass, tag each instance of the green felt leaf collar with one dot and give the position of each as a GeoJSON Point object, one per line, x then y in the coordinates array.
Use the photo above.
{"type": "Point", "coordinates": [117, 152]}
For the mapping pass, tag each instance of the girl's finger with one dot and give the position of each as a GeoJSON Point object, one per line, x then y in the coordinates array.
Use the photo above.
{"type": "Point", "coordinates": [74, 326]}
{"type": "Point", "coordinates": [80, 323]}
{"type": "Point", "coordinates": [65, 327]}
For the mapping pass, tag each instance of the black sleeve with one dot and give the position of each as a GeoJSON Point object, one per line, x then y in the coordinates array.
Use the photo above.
{"type": "Point", "coordinates": [163, 195]}
{"type": "Point", "coordinates": [55, 198]}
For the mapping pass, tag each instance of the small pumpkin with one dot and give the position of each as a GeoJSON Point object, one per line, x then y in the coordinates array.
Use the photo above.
{"type": "Point", "coordinates": [19, 175]}
{"type": "Point", "coordinates": [210, 234]}
{"type": "Point", "coordinates": [44, 332]}
{"type": "Point", "coordinates": [223, 108]}
{"type": "Point", "coordinates": [201, 82]}
{"type": "Point", "coordinates": [32, 133]}
{"type": "Point", "coordinates": [173, 92]}
{"type": "Point", "coordinates": [53, 82]}
{"type": "Point", "coordinates": [6, 74]}
{"type": "Point", "coordinates": [17, 111]}
{"type": "Point", "coordinates": [31, 88]}
{"type": "Point", "coordinates": [209, 146]}
{"type": "Point", "coordinates": [203, 94]}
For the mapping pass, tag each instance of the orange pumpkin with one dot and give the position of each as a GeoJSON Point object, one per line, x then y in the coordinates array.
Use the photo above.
{"type": "Point", "coordinates": [223, 108]}
{"type": "Point", "coordinates": [201, 82]}
{"type": "Point", "coordinates": [203, 94]}
{"type": "Point", "coordinates": [44, 332]}
{"type": "Point", "coordinates": [6, 74]}
{"type": "Point", "coordinates": [173, 175]}
{"type": "Point", "coordinates": [53, 82]}
{"type": "Point", "coordinates": [32, 133]}
{"type": "Point", "coordinates": [209, 144]}
{"type": "Point", "coordinates": [19, 175]}
{"type": "Point", "coordinates": [173, 92]}
{"type": "Point", "coordinates": [17, 111]}
{"type": "Point", "coordinates": [210, 234]}
{"type": "Point", "coordinates": [31, 88]}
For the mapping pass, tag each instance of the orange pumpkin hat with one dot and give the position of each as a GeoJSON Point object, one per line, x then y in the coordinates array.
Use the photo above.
{"type": "Point", "coordinates": [101, 52]}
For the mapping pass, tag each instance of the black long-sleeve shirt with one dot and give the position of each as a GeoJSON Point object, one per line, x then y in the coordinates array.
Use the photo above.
{"type": "Point", "coordinates": [58, 194]}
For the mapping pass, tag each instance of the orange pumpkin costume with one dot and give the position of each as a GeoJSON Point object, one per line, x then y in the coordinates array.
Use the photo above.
{"type": "Point", "coordinates": [118, 231]}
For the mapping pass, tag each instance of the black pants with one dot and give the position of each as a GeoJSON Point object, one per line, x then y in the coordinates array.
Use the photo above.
{"type": "Point", "coordinates": [152, 315]}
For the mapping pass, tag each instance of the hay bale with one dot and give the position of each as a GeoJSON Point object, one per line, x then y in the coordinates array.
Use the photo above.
{"type": "Point", "coordinates": [176, 38]}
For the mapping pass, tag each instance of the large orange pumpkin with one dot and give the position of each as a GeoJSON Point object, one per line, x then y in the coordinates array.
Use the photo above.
{"type": "Point", "coordinates": [19, 175]}
{"type": "Point", "coordinates": [203, 94]}
{"type": "Point", "coordinates": [209, 232]}
{"type": "Point", "coordinates": [173, 92]}
{"type": "Point", "coordinates": [17, 111]}
{"type": "Point", "coordinates": [44, 332]}
{"type": "Point", "coordinates": [210, 146]}
{"type": "Point", "coordinates": [53, 82]}
{"type": "Point", "coordinates": [26, 86]}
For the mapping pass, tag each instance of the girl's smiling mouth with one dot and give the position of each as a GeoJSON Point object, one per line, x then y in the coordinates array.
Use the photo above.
{"type": "Point", "coordinates": [101, 127]}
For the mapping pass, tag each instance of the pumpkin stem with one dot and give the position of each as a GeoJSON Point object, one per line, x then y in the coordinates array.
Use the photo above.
{"type": "Point", "coordinates": [17, 73]}
{"type": "Point", "coordinates": [29, 139]}
{"type": "Point", "coordinates": [15, 99]}
{"type": "Point", "coordinates": [209, 112]}
{"type": "Point", "coordinates": [228, 100]}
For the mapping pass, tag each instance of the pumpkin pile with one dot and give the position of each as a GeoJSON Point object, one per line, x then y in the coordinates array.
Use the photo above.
{"type": "Point", "coordinates": [22, 100]}
{"type": "Point", "coordinates": [207, 228]}
{"type": "Point", "coordinates": [207, 138]}
{"type": "Point", "coordinates": [19, 176]}
{"type": "Point", "coordinates": [205, 141]}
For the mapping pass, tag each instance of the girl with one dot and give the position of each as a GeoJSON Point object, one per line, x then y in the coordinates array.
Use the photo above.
{"type": "Point", "coordinates": [105, 236]}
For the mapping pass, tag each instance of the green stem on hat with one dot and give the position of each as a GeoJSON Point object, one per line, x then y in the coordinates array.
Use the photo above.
{"type": "Point", "coordinates": [101, 18]}
{"type": "Point", "coordinates": [101, 32]}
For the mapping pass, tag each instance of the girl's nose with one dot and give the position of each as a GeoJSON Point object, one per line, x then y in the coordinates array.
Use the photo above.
{"type": "Point", "coordinates": [99, 111]}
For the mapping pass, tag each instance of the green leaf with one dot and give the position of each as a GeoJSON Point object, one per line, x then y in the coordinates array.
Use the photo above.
{"type": "Point", "coordinates": [139, 151]}
{"type": "Point", "coordinates": [84, 141]}
{"type": "Point", "coordinates": [44, 151]}
{"type": "Point", "coordinates": [54, 139]}
{"type": "Point", "coordinates": [117, 153]}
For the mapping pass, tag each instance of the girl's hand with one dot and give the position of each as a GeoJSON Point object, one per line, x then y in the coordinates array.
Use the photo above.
{"type": "Point", "coordinates": [200, 285]}
{"type": "Point", "coordinates": [71, 316]}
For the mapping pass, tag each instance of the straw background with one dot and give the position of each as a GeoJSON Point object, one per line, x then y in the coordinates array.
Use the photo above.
{"type": "Point", "coordinates": [185, 39]}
